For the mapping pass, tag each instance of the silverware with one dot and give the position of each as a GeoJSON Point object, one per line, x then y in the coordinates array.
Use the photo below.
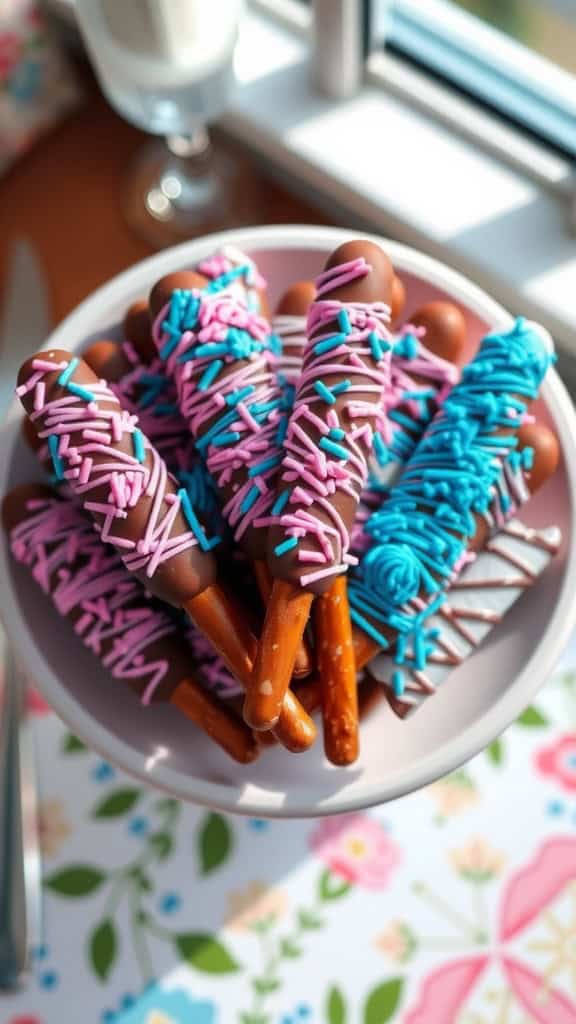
{"type": "Point", "coordinates": [24, 327]}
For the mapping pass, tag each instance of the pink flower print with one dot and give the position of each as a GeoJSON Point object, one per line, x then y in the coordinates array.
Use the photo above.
{"type": "Point", "coordinates": [527, 900]}
{"type": "Point", "coordinates": [356, 848]}
{"type": "Point", "coordinates": [10, 51]}
{"type": "Point", "coordinates": [558, 761]}
{"type": "Point", "coordinates": [25, 1020]}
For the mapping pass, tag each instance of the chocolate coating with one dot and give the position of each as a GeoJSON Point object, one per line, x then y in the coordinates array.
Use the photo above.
{"type": "Point", "coordinates": [297, 299]}
{"type": "Point", "coordinates": [374, 287]}
{"type": "Point", "coordinates": [445, 329]}
{"type": "Point", "coordinates": [160, 295]}
{"type": "Point", "coordinates": [181, 577]}
{"type": "Point", "coordinates": [398, 299]}
{"type": "Point", "coordinates": [107, 360]}
{"type": "Point", "coordinates": [136, 327]}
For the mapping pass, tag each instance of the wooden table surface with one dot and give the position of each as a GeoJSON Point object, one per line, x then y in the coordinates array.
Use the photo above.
{"type": "Point", "coordinates": [65, 197]}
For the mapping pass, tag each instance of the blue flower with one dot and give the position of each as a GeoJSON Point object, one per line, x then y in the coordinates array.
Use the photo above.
{"type": "Point", "coordinates": [49, 980]}
{"type": "Point", "coordinates": [303, 1011]}
{"type": "Point", "coordinates": [138, 825]}
{"type": "Point", "coordinates": [107, 1016]}
{"type": "Point", "coordinates": [39, 952]}
{"type": "Point", "coordinates": [170, 902]}
{"type": "Point", "coordinates": [258, 824]}
{"type": "Point", "coordinates": [556, 808]}
{"type": "Point", "coordinates": [175, 1004]}
{"type": "Point", "coordinates": [103, 772]}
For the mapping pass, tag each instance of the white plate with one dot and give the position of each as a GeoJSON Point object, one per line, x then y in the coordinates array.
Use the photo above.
{"type": "Point", "coordinates": [478, 701]}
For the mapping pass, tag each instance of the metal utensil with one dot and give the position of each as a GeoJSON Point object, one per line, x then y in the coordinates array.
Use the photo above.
{"type": "Point", "coordinates": [24, 326]}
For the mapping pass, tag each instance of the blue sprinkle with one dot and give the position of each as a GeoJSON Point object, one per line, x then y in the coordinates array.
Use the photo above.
{"type": "Point", "coordinates": [238, 396]}
{"type": "Point", "coordinates": [343, 385]}
{"type": "Point", "coordinates": [375, 347]}
{"type": "Point", "coordinates": [165, 409]}
{"type": "Point", "coordinates": [280, 502]}
{"type": "Point", "coordinates": [344, 321]}
{"type": "Point", "coordinates": [210, 374]}
{"type": "Point", "coordinates": [261, 467]}
{"type": "Point", "coordinates": [250, 499]}
{"type": "Point", "coordinates": [138, 442]}
{"type": "Point", "coordinates": [324, 392]}
{"type": "Point", "coordinates": [80, 392]}
{"type": "Point", "coordinates": [337, 434]}
{"type": "Point", "coordinates": [57, 463]}
{"type": "Point", "coordinates": [368, 628]}
{"type": "Point", "coordinates": [282, 431]}
{"type": "Point", "coordinates": [286, 545]}
{"type": "Point", "coordinates": [397, 683]}
{"type": "Point", "coordinates": [194, 523]}
{"type": "Point", "coordinates": [68, 372]}
{"type": "Point", "coordinates": [230, 437]}
{"type": "Point", "coordinates": [334, 449]}
{"type": "Point", "coordinates": [211, 348]}
{"type": "Point", "coordinates": [380, 450]}
{"type": "Point", "coordinates": [334, 341]}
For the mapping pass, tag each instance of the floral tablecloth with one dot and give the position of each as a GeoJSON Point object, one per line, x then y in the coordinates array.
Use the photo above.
{"type": "Point", "coordinates": [456, 905]}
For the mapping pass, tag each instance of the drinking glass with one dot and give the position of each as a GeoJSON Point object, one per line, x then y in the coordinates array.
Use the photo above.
{"type": "Point", "coordinates": [167, 66]}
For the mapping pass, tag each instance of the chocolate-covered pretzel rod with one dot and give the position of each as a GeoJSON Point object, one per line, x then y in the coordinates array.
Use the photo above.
{"type": "Point", "coordinates": [134, 638]}
{"type": "Point", "coordinates": [99, 449]}
{"type": "Point", "coordinates": [465, 479]}
{"type": "Point", "coordinates": [219, 353]}
{"type": "Point", "coordinates": [338, 409]}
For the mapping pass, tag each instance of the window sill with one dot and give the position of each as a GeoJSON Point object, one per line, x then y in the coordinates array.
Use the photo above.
{"type": "Point", "coordinates": [378, 162]}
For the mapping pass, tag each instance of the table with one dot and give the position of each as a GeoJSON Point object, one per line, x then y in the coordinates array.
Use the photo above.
{"type": "Point", "coordinates": [73, 217]}
{"type": "Point", "coordinates": [456, 905]}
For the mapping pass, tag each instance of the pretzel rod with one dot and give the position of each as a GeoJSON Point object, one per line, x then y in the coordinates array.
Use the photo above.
{"type": "Point", "coordinates": [511, 562]}
{"type": "Point", "coordinates": [337, 671]}
{"type": "Point", "coordinates": [134, 638]}
{"type": "Point", "coordinates": [98, 448]}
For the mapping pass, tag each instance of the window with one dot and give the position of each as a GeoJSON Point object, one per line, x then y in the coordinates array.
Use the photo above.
{"type": "Point", "coordinates": [517, 56]}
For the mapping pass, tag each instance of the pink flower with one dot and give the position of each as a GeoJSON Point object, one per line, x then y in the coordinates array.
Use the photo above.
{"type": "Point", "coordinates": [10, 50]}
{"type": "Point", "coordinates": [559, 761]}
{"type": "Point", "coordinates": [527, 899]}
{"type": "Point", "coordinates": [356, 848]}
{"type": "Point", "coordinates": [25, 1020]}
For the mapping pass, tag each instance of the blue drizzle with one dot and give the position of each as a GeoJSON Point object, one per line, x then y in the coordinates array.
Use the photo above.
{"type": "Point", "coordinates": [420, 533]}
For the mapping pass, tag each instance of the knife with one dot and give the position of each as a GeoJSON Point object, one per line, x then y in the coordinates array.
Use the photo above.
{"type": "Point", "coordinates": [25, 322]}
{"type": "Point", "coordinates": [24, 326]}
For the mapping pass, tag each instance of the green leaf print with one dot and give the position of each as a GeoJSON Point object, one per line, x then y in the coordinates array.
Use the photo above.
{"type": "Point", "coordinates": [72, 745]}
{"type": "Point", "coordinates": [383, 1002]}
{"type": "Point", "coordinates": [206, 953]}
{"type": "Point", "coordinates": [289, 949]}
{"type": "Point", "coordinates": [309, 921]}
{"type": "Point", "coordinates": [78, 880]}
{"type": "Point", "coordinates": [103, 948]}
{"type": "Point", "coordinates": [495, 751]}
{"type": "Point", "coordinates": [214, 842]}
{"type": "Point", "coordinates": [254, 1018]}
{"type": "Point", "coordinates": [336, 1012]}
{"type": "Point", "coordinates": [264, 986]}
{"type": "Point", "coordinates": [531, 718]}
{"type": "Point", "coordinates": [117, 803]}
{"type": "Point", "coordinates": [330, 887]}
{"type": "Point", "coordinates": [162, 844]}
